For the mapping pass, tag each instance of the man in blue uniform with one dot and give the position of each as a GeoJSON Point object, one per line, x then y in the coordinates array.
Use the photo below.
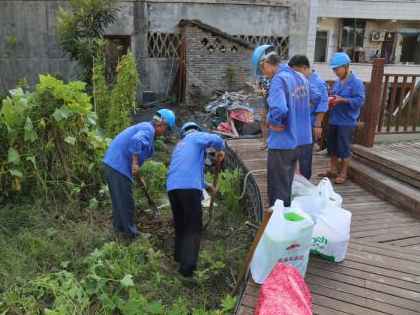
{"type": "Point", "coordinates": [318, 107]}
{"type": "Point", "coordinates": [127, 152]}
{"type": "Point", "coordinates": [349, 96]}
{"type": "Point", "coordinates": [288, 121]}
{"type": "Point", "coordinates": [184, 185]}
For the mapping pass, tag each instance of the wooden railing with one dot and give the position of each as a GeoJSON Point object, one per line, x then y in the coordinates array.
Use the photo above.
{"type": "Point", "coordinates": [392, 104]}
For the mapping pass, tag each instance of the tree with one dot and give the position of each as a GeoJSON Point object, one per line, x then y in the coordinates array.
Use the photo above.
{"type": "Point", "coordinates": [81, 29]}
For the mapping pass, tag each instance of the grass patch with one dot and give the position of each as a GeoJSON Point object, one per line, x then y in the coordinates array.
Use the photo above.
{"type": "Point", "coordinates": [64, 259]}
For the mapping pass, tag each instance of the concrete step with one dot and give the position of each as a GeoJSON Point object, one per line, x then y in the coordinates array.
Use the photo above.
{"type": "Point", "coordinates": [388, 164]}
{"type": "Point", "coordinates": [385, 186]}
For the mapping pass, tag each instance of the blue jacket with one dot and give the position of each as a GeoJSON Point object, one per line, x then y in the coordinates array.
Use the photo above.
{"type": "Point", "coordinates": [186, 170]}
{"type": "Point", "coordinates": [289, 105]}
{"type": "Point", "coordinates": [321, 104]}
{"type": "Point", "coordinates": [135, 140]}
{"type": "Point", "coordinates": [354, 91]}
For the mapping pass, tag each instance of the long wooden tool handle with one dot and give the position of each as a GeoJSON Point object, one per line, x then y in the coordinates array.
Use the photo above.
{"type": "Point", "coordinates": [266, 218]}
{"type": "Point", "coordinates": [139, 182]}
{"type": "Point", "coordinates": [217, 169]}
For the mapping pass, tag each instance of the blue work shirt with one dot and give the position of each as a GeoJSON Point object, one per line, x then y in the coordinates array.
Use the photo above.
{"type": "Point", "coordinates": [135, 140]}
{"type": "Point", "coordinates": [186, 170]}
{"type": "Point", "coordinates": [319, 105]}
{"type": "Point", "coordinates": [288, 102]}
{"type": "Point", "coordinates": [354, 91]}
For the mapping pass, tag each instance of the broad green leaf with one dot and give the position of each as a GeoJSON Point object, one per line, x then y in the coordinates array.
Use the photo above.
{"type": "Point", "coordinates": [17, 92]}
{"type": "Point", "coordinates": [30, 133]}
{"type": "Point", "coordinates": [12, 112]}
{"type": "Point", "coordinates": [228, 303]}
{"type": "Point", "coordinates": [13, 156]}
{"type": "Point", "coordinates": [155, 307]}
{"type": "Point", "coordinates": [32, 159]}
{"type": "Point", "coordinates": [127, 281]}
{"type": "Point", "coordinates": [62, 113]}
{"type": "Point", "coordinates": [16, 173]}
{"type": "Point", "coordinates": [93, 204]}
{"type": "Point", "coordinates": [65, 264]}
{"type": "Point", "coordinates": [70, 140]}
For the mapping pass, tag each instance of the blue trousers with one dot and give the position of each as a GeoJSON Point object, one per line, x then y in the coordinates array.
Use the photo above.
{"type": "Point", "coordinates": [305, 160]}
{"type": "Point", "coordinates": [123, 208]}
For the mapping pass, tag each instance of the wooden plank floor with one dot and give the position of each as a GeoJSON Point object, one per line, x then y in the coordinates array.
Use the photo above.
{"type": "Point", "coordinates": [381, 272]}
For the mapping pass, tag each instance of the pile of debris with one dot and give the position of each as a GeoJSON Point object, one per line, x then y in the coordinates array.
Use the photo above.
{"type": "Point", "coordinates": [235, 113]}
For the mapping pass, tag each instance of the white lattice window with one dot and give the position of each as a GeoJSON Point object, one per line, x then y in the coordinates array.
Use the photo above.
{"type": "Point", "coordinates": [164, 45]}
{"type": "Point", "coordinates": [282, 43]}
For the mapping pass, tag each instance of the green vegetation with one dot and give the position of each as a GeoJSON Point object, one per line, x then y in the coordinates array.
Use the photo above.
{"type": "Point", "coordinates": [123, 96]}
{"type": "Point", "coordinates": [11, 44]}
{"type": "Point", "coordinates": [60, 254]}
{"type": "Point", "coordinates": [81, 29]}
{"type": "Point", "coordinates": [51, 148]}
{"type": "Point", "coordinates": [101, 93]}
{"type": "Point", "coordinates": [64, 259]}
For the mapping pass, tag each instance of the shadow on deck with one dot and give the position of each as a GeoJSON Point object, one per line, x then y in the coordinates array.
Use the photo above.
{"type": "Point", "coordinates": [381, 272]}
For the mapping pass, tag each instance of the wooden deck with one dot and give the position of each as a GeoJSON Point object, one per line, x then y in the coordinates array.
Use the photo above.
{"type": "Point", "coordinates": [381, 272]}
{"type": "Point", "coordinates": [391, 171]}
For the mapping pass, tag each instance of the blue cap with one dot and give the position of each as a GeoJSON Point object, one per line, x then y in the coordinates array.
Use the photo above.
{"type": "Point", "coordinates": [169, 117]}
{"type": "Point", "coordinates": [339, 59]}
{"type": "Point", "coordinates": [259, 55]}
{"type": "Point", "coordinates": [187, 126]}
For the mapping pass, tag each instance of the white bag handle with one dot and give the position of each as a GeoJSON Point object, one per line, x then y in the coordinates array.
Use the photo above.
{"type": "Point", "coordinates": [326, 191]}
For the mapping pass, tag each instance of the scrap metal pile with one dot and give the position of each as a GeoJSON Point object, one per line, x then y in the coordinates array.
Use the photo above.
{"type": "Point", "coordinates": [235, 113]}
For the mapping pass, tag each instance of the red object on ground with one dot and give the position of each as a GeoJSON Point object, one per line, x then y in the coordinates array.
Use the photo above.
{"type": "Point", "coordinates": [242, 115]}
{"type": "Point", "coordinates": [284, 292]}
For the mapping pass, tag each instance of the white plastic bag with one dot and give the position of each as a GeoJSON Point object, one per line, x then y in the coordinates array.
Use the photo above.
{"type": "Point", "coordinates": [331, 232]}
{"type": "Point", "coordinates": [302, 187]}
{"type": "Point", "coordinates": [286, 239]}
{"type": "Point", "coordinates": [326, 191]}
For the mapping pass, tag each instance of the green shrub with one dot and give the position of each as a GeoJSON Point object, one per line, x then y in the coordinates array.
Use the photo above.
{"type": "Point", "coordinates": [229, 183]}
{"type": "Point", "coordinates": [51, 147]}
{"type": "Point", "coordinates": [154, 174]}
{"type": "Point", "coordinates": [123, 96]}
{"type": "Point", "coordinates": [81, 28]}
{"type": "Point", "coordinates": [101, 94]}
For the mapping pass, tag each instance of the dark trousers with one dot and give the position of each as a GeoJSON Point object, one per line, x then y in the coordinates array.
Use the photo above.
{"type": "Point", "coordinates": [123, 208]}
{"type": "Point", "coordinates": [281, 166]}
{"type": "Point", "coordinates": [305, 160]}
{"type": "Point", "coordinates": [188, 215]}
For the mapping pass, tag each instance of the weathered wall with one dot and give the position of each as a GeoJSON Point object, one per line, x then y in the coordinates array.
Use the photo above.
{"type": "Point", "coordinates": [32, 23]}
{"type": "Point", "coordinates": [280, 18]}
{"type": "Point", "coordinates": [370, 9]}
{"type": "Point", "coordinates": [210, 70]}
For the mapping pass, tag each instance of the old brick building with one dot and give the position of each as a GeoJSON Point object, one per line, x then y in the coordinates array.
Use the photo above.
{"type": "Point", "coordinates": [214, 61]}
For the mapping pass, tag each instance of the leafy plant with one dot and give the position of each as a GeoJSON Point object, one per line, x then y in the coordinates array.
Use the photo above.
{"type": "Point", "coordinates": [154, 174]}
{"type": "Point", "coordinates": [101, 93]}
{"type": "Point", "coordinates": [50, 140]}
{"type": "Point", "coordinates": [11, 44]}
{"type": "Point", "coordinates": [229, 188]}
{"type": "Point", "coordinates": [81, 28]}
{"type": "Point", "coordinates": [123, 96]}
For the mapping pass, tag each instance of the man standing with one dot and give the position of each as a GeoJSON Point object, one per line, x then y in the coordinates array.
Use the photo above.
{"type": "Point", "coordinates": [348, 97]}
{"type": "Point", "coordinates": [318, 108]}
{"type": "Point", "coordinates": [127, 152]}
{"type": "Point", "coordinates": [288, 121]}
{"type": "Point", "coordinates": [184, 184]}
